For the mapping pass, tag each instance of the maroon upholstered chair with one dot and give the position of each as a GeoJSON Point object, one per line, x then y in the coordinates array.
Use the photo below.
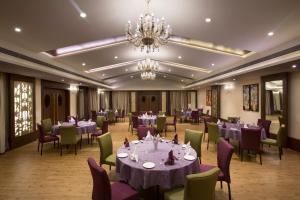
{"type": "Point", "coordinates": [103, 190]}
{"type": "Point", "coordinates": [250, 140]}
{"type": "Point", "coordinates": [195, 116]}
{"type": "Point", "coordinates": [43, 138]}
{"type": "Point", "coordinates": [135, 122]}
{"type": "Point", "coordinates": [143, 130]}
{"type": "Point", "coordinates": [264, 124]}
{"type": "Point", "coordinates": [104, 129]}
{"type": "Point", "coordinates": [206, 120]}
{"type": "Point", "coordinates": [224, 154]}
{"type": "Point", "coordinates": [172, 123]}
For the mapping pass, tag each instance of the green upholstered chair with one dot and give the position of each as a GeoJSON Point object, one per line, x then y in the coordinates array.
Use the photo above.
{"type": "Point", "coordinates": [47, 125]}
{"type": "Point", "coordinates": [111, 116]}
{"type": "Point", "coordinates": [161, 113]}
{"type": "Point", "coordinates": [198, 186]}
{"type": "Point", "coordinates": [195, 139]}
{"type": "Point", "coordinates": [69, 136]}
{"type": "Point", "coordinates": [129, 121]}
{"type": "Point", "coordinates": [106, 150]}
{"type": "Point", "coordinates": [179, 115]}
{"type": "Point", "coordinates": [213, 133]}
{"type": "Point", "coordinates": [99, 122]}
{"type": "Point", "coordinates": [276, 142]}
{"type": "Point", "coordinates": [160, 124]}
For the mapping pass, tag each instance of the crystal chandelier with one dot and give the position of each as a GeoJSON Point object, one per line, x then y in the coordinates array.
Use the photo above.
{"type": "Point", "coordinates": [150, 32]}
{"type": "Point", "coordinates": [148, 68]}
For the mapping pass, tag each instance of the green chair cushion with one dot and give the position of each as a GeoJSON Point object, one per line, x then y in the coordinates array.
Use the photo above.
{"type": "Point", "coordinates": [106, 146]}
{"type": "Point", "coordinates": [176, 194]}
{"type": "Point", "coordinates": [269, 141]}
{"type": "Point", "coordinates": [110, 160]}
{"type": "Point", "coordinates": [47, 125]}
{"type": "Point", "coordinates": [195, 139]}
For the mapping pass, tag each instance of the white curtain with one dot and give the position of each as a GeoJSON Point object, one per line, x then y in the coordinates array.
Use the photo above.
{"type": "Point", "coordinates": [120, 100]}
{"type": "Point", "coordinates": [3, 113]}
{"type": "Point", "coordinates": [104, 96]}
{"type": "Point", "coordinates": [94, 99]}
{"type": "Point", "coordinates": [178, 100]}
{"type": "Point", "coordinates": [268, 102]}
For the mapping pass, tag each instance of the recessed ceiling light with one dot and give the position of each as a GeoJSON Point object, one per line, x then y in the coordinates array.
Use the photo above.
{"type": "Point", "coordinates": [212, 64]}
{"type": "Point", "coordinates": [126, 70]}
{"type": "Point", "coordinates": [62, 80]}
{"type": "Point", "coordinates": [179, 57]}
{"type": "Point", "coordinates": [83, 15]}
{"type": "Point", "coordinates": [192, 75]}
{"type": "Point", "coordinates": [169, 70]}
{"type": "Point", "coordinates": [116, 57]}
{"type": "Point", "coordinates": [80, 83]}
{"type": "Point", "coordinates": [181, 80]}
{"type": "Point", "coordinates": [294, 66]}
{"type": "Point", "coordinates": [271, 33]}
{"type": "Point", "coordinates": [18, 29]}
{"type": "Point", "coordinates": [234, 79]}
{"type": "Point", "coordinates": [103, 74]}
{"type": "Point", "coordinates": [83, 64]}
{"type": "Point", "coordinates": [131, 76]}
{"type": "Point", "coordinates": [165, 76]}
{"type": "Point", "coordinates": [207, 20]}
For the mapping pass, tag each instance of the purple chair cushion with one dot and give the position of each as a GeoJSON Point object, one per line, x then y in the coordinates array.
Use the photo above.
{"type": "Point", "coordinates": [143, 130]}
{"type": "Point", "coordinates": [98, 133]}
{"type": "Point", "coordinates": [250, 139]}
{"type": "Point", "coordinates": [45, 138]}
{"type": "Point", "coordinates": [265, 124]}
{"type": "Point", "coordinates": [122, 191]}
{"type": "Point", "coordinates": [205, 168]}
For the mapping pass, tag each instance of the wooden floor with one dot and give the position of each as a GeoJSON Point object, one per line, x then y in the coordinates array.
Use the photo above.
{"type": "Point", "coordinates": [24, 174]}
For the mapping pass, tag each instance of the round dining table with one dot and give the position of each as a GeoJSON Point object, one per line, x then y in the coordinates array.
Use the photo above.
{"type": "Point", "coordinates": [162, 175]}
{"type": "Point", "coordinates": [233, 131]}
{"type": "Point", "coordinates": [147, 119]}
{"type": "Point", "coordinates": [81, 128]}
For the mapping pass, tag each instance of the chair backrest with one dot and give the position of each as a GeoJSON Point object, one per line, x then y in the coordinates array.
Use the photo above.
{"type": "Point", "coordinates": [67, 134]}
{"type": "Point", "coordinates": [130, 118]}
{"type": "Point", "coordinates": [178, 114]}
{"type": "Point", "coordinates": [111, 115]}
{"type": "Point", "coordinates": [143, 130]}
{"type": "Point", "coordinates": [104, 127]}
{"type": "Point", "coordinates": [201, 185]}
{"type": "Point", "coordinates": [101, 184]}
{"type": "Point", "coordinates": [93, 115]}
{"type": "Point", "coordinates": [213, 131]}
{"type": "Point", "coordinates": [161, 113]}
{"type": "Point", "coordinates": [174, 120]}
{"type": "Point", "coordinates": [41, 133]}
{"type": "Point", "coordinates": [207, 112]}
{"type": "Point", "coordinates": [195, 139]}
{"type": "Point", "coordinates": [160, 122]}
{"type": "Point", "coordinates": [47, 125]}
{"type": "Point", "coordinates": [206, 120]}
{"type": "Point", "coordinates": [281, 121]}
{"type": "Point", "coordinates": [100, 120]}
{"type": "Point", "coordinates": [135, 121]}
{"type": "Point", "coordinates": [225, 151]}
{"type": "Point", "coordinates": [123, 113]}
{"type": "Point", "coordinates": [195, 114]}
{"type": "Point", "coordinates": [106, 146]}
{"type": "Point", "coordinates": [280, 135]}
{"type": "Point", "coordinates": [250, 138]}
{"type": "Point", "coordinates": [265, 124]}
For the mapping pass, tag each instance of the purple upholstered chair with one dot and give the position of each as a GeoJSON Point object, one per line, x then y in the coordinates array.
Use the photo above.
{"type": "Point", "coordinates": [206, 120]}
{"type": "Point", "coordinates": [104, 129]}
{"type": "Point", "coordinates": [103, 190]}
{"type": "Point", "coordinates": [225, 151]}
{"type": "Point", "coordinates": [172, 123]}
{"type": "Point", "coordinates": [264, 124]}
{"type": "Point", "coordinates": [195, 116]}
{"type": "Point", "coordinates": [143, 130]}
{"type": "Point", "coordinates": [250, 140]}
{"type": "Point", "coordinates": [43, 138]}
{"type": "Point", "coordinates": [135, 122]}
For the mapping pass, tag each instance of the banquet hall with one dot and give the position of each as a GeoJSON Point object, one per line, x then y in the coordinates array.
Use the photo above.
{"type": "Point", "coordinates": [150, 99]}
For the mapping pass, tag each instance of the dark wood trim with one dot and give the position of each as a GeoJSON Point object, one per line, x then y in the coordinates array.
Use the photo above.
{"type": "Point", "coordinates": [285, 87]}
{"type": "Point", "coordinates": [24, 139]}
{"type": "Point", "coordinates": [294, 144]}
{"type": "Point", "coordinates": [110, 100]}
{"type": "Point", "coordinates": [168, 103]}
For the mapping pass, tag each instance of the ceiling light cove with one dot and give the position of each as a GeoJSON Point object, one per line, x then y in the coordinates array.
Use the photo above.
{"type": "Point", "coordinates": [208, 46]}
{"type": "Point", "coordinates": [98, 69]}
{"type": "Point", "coordinates": [183, 66]}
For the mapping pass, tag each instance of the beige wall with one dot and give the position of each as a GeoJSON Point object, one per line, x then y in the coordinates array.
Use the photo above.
{"type": "Point", "coordinates": [38, 99]}
{"type": "Point", "coordinates": [73, 103]}
{"type": "Point", "coordinates": [164, 101]}
{"type": "Point", "coordinates": [133, 101]}
{"type": "Point", "coordinates": [202, 100]}
{"type": "Point", "coordinates": [294, 105]}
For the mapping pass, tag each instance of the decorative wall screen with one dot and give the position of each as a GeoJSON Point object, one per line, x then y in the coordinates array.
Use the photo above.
{"type": "Point", "coordinates": [23, 108]}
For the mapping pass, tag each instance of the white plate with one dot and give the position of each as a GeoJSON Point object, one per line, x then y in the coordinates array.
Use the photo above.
{"type": "Point", "coordinates": [122, 155]}
{"type": "Point", "coordinates": [149, 165]}
{"type": "Point", "coordinates": [135, 141]}
{"type": "Point", "coordinates": [189, 157]}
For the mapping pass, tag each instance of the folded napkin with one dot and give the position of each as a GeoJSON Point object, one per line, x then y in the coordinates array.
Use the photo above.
{"type": "Point", "coordinates": [175, 140]}
{"type": "Point", "coordinates": [90, 120]}
{"type": "Point", "coordinates": [72, 120]}
{"type": "Point", "coordinates": [171, 159]}
{"type": "Point", "coordinates": [101, 111]}
{"type": "Point", "coordinates": [245, 126]}
{"type": "Point", "coordinates": [188, 151]}
{"type": "Point", "coordinates": [116, 111]}
{"type": "Point", "coordinates": [134, 156]}
{"type": "Point", "coordinates": [219, 121]}
{"type": "Point", "coordinates": [149, 136]}
{"type": "Point", "coordinates": [126, 143]}
{"type": "Point", "coordinates": [188, 145]}
{"type": "Point", "coordinates": [58, 123]}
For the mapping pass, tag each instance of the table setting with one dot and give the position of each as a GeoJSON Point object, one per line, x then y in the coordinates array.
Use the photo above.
{"type": "Point", "coordinates": [146, 119]}
{"type": "Point", "coordinates": [155, 161]}
{"type": "Point", "coordinates": [82, 127]}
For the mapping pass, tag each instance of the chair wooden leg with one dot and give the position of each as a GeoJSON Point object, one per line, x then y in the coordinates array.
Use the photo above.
{"type": "Point", "coordinates": [38, 146]}
{"type": "Point", "coordinates": [260, 159]}
{"type": "Point", "coordinates": [207, 144]}
{"type": "Point", "coordinates": [54, 144]}
{"type": "Point", "coordinates": [60, 149]}
{"type": "Point", "coordinates": [229, 191]}
{"type": "Point", "coordinates": [109, 167]}
{"type": "Point", "coordinates": [221, 184]}
{"type": "Point", "coordinates": [241, 152]}
{"type": "Point", "coordinates": [42, 149]}
{"type": "Point", "coordinates": [75, 149]}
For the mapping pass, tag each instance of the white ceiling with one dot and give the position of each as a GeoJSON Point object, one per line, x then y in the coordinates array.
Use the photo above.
{"type": "Point", "coordinates": [48, 25]}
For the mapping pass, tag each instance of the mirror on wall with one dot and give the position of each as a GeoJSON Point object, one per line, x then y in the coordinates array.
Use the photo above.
{"type": "Point", "coordinates": [274, 103]}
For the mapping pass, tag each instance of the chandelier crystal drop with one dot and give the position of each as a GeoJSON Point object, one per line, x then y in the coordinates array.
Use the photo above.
{"type": "Point", "coordinates": [150, 32]}
{"type": "Point", "coordinates": [148, 68]}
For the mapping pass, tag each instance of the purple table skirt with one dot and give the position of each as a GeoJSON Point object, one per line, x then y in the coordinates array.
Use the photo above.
{"type": "Point", "coordinates": [233, 131]}
{"type": "Point", "coordinates": [82, 128]}
{"type": "Point", "coordinates": [165, 176]}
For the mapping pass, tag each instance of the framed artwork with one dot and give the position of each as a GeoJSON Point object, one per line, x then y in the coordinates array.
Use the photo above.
{"type": "Point", "coordinates": [251, 97]}
{"type": "Point", "coordinates": [246, 97]}
{"type": "Point", "coordinates": [208, 97]}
